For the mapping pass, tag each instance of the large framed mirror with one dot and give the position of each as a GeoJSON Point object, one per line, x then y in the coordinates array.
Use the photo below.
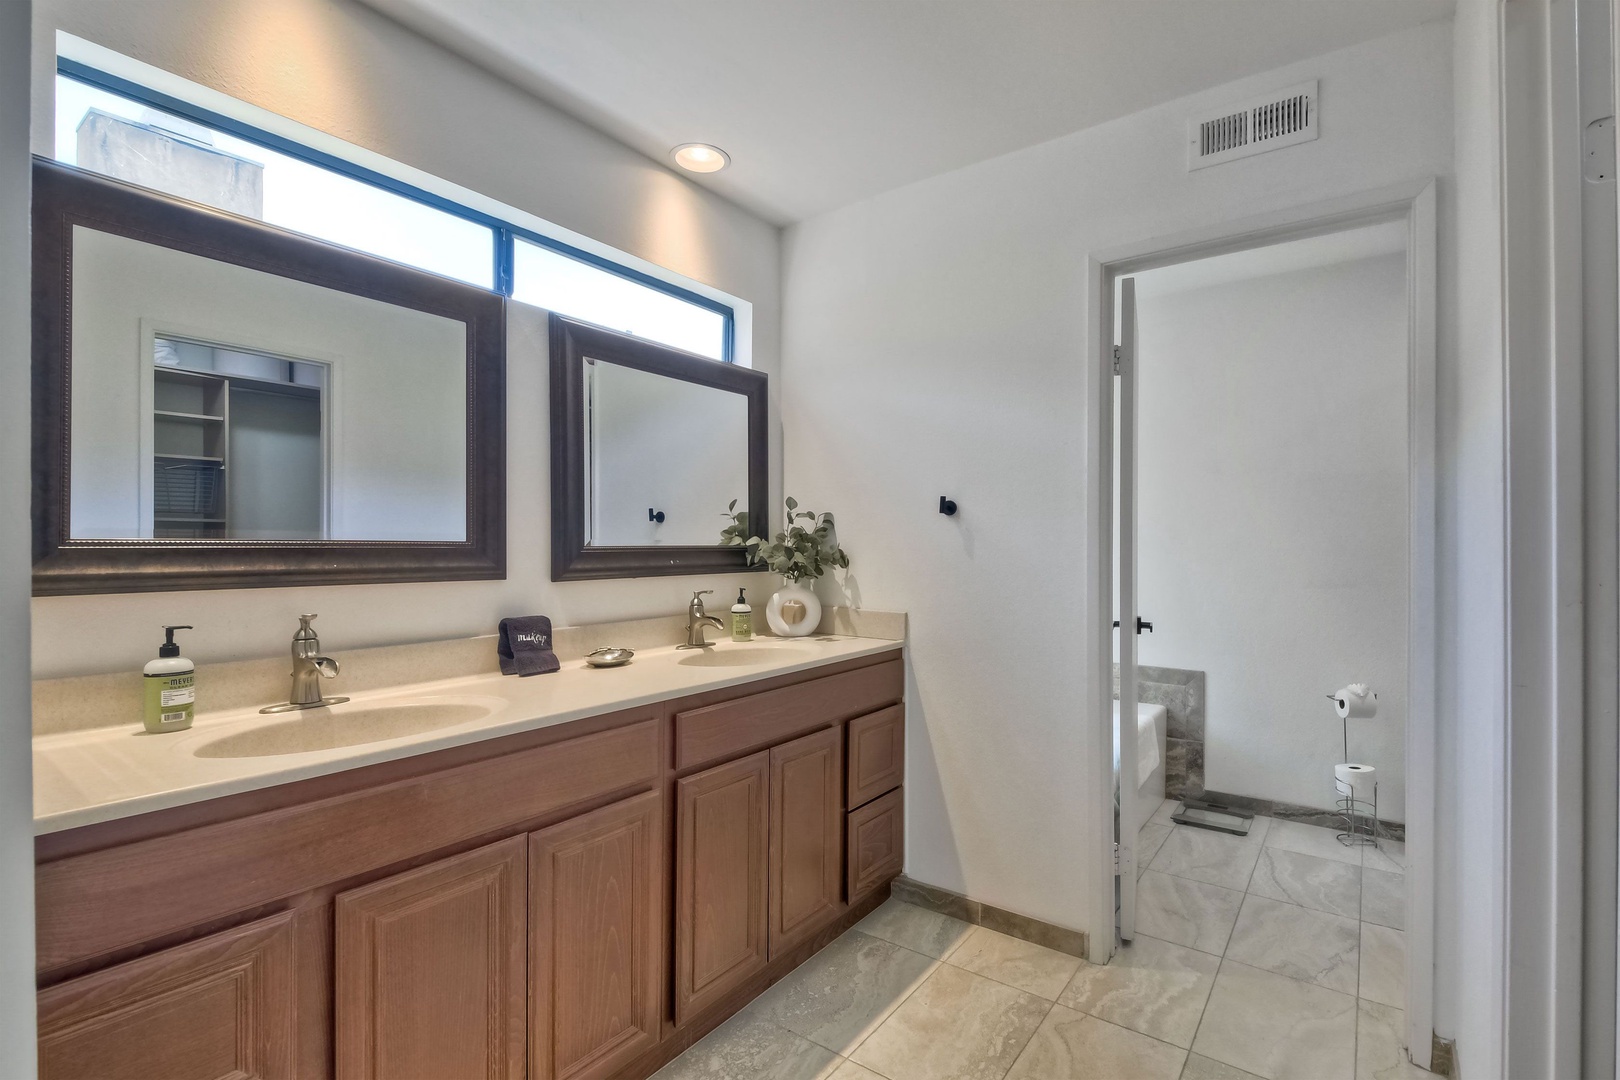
{"type": "Point", "coordinates": [652, 450]}
{"type": "Point", "coordinates": [221, 403]}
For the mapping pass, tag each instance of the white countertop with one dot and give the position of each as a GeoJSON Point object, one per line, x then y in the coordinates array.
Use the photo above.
{"type": "Point", "coordinates": [84, 777]}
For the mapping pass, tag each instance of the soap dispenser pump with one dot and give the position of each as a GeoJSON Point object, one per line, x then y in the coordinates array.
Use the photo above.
{"type": "Point", "coordinates": [742, 619]}
{"type": "Point", "coordinates": [171, 687]}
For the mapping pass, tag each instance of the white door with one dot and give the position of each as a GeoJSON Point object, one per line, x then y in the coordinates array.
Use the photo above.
{"type": "Point", "coordinates": [1125, 537]}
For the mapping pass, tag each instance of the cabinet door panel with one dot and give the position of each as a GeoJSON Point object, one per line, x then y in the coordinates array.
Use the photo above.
{"type": "Point", "coordinates": [224, 1006]}
{"type": "Point", "coordinates": [877, 836]}
{"type": "Point", "coordinates": [431, 972]}
{"type": "Point", "coordinates": [595, 915]}
{"type": "Point", "coordinates": [806, 836]}
{"type": "Point", "coordinates": [720, 888]}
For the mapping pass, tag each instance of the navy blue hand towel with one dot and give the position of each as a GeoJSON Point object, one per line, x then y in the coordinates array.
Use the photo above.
{"type": "Point", "coordinates": [525, 646]}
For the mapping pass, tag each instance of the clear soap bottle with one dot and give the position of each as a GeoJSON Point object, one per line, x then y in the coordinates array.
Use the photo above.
{"type": "Point", "coordinates": [742, 619]}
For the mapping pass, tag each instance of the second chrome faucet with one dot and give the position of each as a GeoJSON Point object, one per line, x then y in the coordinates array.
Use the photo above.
{"type": "Point", "coordinates": [309, 668]}
{"type": "Point", "coordinates": [697, 619]}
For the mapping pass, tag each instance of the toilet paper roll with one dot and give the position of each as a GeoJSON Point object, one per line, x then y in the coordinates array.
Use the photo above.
{"type": "Point", "coordinates": [1355, 701]}
{"type": "Point", "coordinates": [1355, 781]}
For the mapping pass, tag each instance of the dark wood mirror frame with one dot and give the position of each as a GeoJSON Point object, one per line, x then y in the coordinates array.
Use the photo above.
{"type": "Point", "coordinates": [64, 197]}
{"type": "Point", "coordinates": [572, 559]}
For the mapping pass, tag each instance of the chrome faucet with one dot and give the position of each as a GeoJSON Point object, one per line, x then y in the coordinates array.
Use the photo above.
{"type": "Point", "coordinates": [309, 668]}
{"type": "Point", "coordinates": [697, 619]}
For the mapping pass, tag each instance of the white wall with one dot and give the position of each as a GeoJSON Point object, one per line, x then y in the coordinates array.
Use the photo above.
{"type": "Point", "coordinates": [934, 345]}
{"type": "Point", "coordinates": [350, 72]}
{"type": "Point", "coordinates": [16, 779]}
{"type": "Point", "coordinates": [396, 399]}
{"type": "Point", "coordinates": [1272, 520]}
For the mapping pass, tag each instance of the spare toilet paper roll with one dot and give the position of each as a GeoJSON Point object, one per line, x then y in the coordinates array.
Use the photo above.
{"type": "Point", "coordinates": [1355, 701]}
{"type": "Point", "coordinates": [1355, 781]}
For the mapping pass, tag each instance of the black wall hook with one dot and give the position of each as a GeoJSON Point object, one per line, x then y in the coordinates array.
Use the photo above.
{"type": "Point", "coordinates": [947, 506]}
{"type": "Point", "coordinates": [655, 515]}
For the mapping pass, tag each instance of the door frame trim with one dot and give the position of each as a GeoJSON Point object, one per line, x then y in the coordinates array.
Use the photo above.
{"type": "Point", "coordinates": [1413, 203]}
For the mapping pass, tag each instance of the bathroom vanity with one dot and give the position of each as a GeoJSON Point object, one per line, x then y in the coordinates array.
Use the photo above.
{"type": "Point", "coordinates": [578, 882]}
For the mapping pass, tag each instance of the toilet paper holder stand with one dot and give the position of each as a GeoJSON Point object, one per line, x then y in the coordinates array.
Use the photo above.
{"type": "Point", "coordinates": [1360, 817]}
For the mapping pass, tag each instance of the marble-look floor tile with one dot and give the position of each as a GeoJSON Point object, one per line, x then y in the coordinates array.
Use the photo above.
{"type": "Point", "coordinates": [957, 1026]}
{"type": "Point", "coordinates": [1312, 840]}
{"type": "Point", "coordinates": [1389, 855]}
{"type": "Point", "coordinates": [749, 1045]}
{"type": "Point", "coordinates": [1202, 1068]}
{"type": "Point", "coordinates": [1287, 939]}
{"type": "Point", "coordinates": [1215, 858]}
{"type": "Point", "coordinates": [1308, 880]}
{"type": "Point", "coordinates": [849, 1070]}
{"type": "Point", "coordinates": [1380, 1034]}
{"type": "Point", "coordinates": [1383, 965]}
{"type": "Point", "coordinates": [1073, 1046]}
{"type": "Point", "coordinates": [915, 928]}
{"type": "Point", "coordinates": [1278, 1028]}
{"type": "Point", "coordinates": [1149, 839]}
{"type": "Point", "coordinates": [1161, 816]}
{"type": "Point", "coordinates": [1150, 986]}
{"type": "Point", "coordinates": [1383, 898]}
{"type": "Point", "coordinates": [1186, 912]}
{"type": "Point", "coordinates": [839, 996]}
{"type": "Point", "coordinates": [1022, 965]}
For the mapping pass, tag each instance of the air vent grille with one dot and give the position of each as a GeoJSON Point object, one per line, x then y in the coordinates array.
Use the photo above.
{"type": "Point", "coordinates": [1280, 119]}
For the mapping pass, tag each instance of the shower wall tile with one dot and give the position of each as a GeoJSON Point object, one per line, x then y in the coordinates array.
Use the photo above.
{"type": "Point", "coordinates": [1183, 694]}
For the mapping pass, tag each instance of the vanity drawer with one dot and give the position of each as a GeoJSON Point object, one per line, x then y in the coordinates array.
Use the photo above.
{"type": "Point", "coordinates": [732, 728]}
{"type": "Point", "coordinates": [876, 843]}
{"type": "Point", "coordinates": [876, 755]}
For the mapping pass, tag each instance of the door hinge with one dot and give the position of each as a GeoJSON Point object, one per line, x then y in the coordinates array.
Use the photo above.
{"type": "Point", "coordinates": [1119, 352]}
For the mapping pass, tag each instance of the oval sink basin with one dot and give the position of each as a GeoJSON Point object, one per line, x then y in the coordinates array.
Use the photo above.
{"type": "Point", "coordinates": [324, 729]}
{"type": "Point", "coordinates": [736, 655]}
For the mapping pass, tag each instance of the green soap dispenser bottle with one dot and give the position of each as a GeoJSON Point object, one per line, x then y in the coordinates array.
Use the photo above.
{"type": "Point", "coordinates": [171, 687]}
{"type": "Point", "coordinates": [742, 619]}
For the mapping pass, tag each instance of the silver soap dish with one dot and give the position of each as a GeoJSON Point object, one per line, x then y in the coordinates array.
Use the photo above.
{"type": "Point", "coordinates": [609, 657]}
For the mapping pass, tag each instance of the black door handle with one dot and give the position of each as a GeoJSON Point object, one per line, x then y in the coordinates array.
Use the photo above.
{"type": "Point", "coordinates": [1141, 625]}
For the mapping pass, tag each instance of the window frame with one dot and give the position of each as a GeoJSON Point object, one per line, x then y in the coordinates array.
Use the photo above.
{"type": "Point", "coordinates": [505, 233]}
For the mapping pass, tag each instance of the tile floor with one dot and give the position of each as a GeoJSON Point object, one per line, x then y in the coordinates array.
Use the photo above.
{"type": "Point", "coordinates": [1277, 955]}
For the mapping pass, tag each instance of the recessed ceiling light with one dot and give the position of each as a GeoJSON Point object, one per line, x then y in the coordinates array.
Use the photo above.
{"type": "Point", "coordinates": [701, 157]}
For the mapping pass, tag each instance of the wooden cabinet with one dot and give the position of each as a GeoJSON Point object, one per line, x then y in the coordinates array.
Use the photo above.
{"type": "Point", "coordinates": [807, 837]}
{"type": "Point", "coordinates": [431, 970]}
{"type": "Point", "coordinates": [877, 834]}
{"type": "Point", "coordinates": [721, 855]}
{"type": "Point", "coordinates": [595, 940]}
{"type": "Point", "coordinates": [220, 1007]}
{"type": "Point", "coordinates": [576, 902]}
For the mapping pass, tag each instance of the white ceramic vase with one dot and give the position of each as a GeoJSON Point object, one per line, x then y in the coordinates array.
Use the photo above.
{"type": "Point", "coordinates": [793, 611]}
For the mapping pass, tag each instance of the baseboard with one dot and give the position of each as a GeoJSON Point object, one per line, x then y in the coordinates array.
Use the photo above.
{"type": "Point", "coordinates": [1443, 1057]}
{"type": "Point", "coordinates": [1305, 815]}
{"type": "Point", "coordinates": [932, 897]}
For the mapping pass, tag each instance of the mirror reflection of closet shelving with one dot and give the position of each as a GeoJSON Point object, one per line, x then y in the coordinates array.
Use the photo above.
{"type": "Point", "coordinates": [238, 444]}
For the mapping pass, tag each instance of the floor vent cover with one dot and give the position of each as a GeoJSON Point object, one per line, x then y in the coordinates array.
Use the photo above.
{"type": "Point", "coordinates": [1284, 118]}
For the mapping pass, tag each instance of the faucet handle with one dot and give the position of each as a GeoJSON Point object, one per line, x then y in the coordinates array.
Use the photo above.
{"type": "Point", "coordinates": [702, 592]}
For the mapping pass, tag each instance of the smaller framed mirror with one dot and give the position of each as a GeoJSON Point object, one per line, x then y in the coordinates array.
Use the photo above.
{"type": "Point", "coordinates": [652, 449]}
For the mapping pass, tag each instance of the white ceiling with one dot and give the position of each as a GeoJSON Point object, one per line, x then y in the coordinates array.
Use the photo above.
{"type": "Point", "coordinates": [1328, 249]}
{"type": "Point", "coordinates": [823, 103]}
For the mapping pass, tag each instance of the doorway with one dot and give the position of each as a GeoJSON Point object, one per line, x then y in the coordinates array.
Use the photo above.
{"type": "Point", "coordinates": [1286, 494]}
